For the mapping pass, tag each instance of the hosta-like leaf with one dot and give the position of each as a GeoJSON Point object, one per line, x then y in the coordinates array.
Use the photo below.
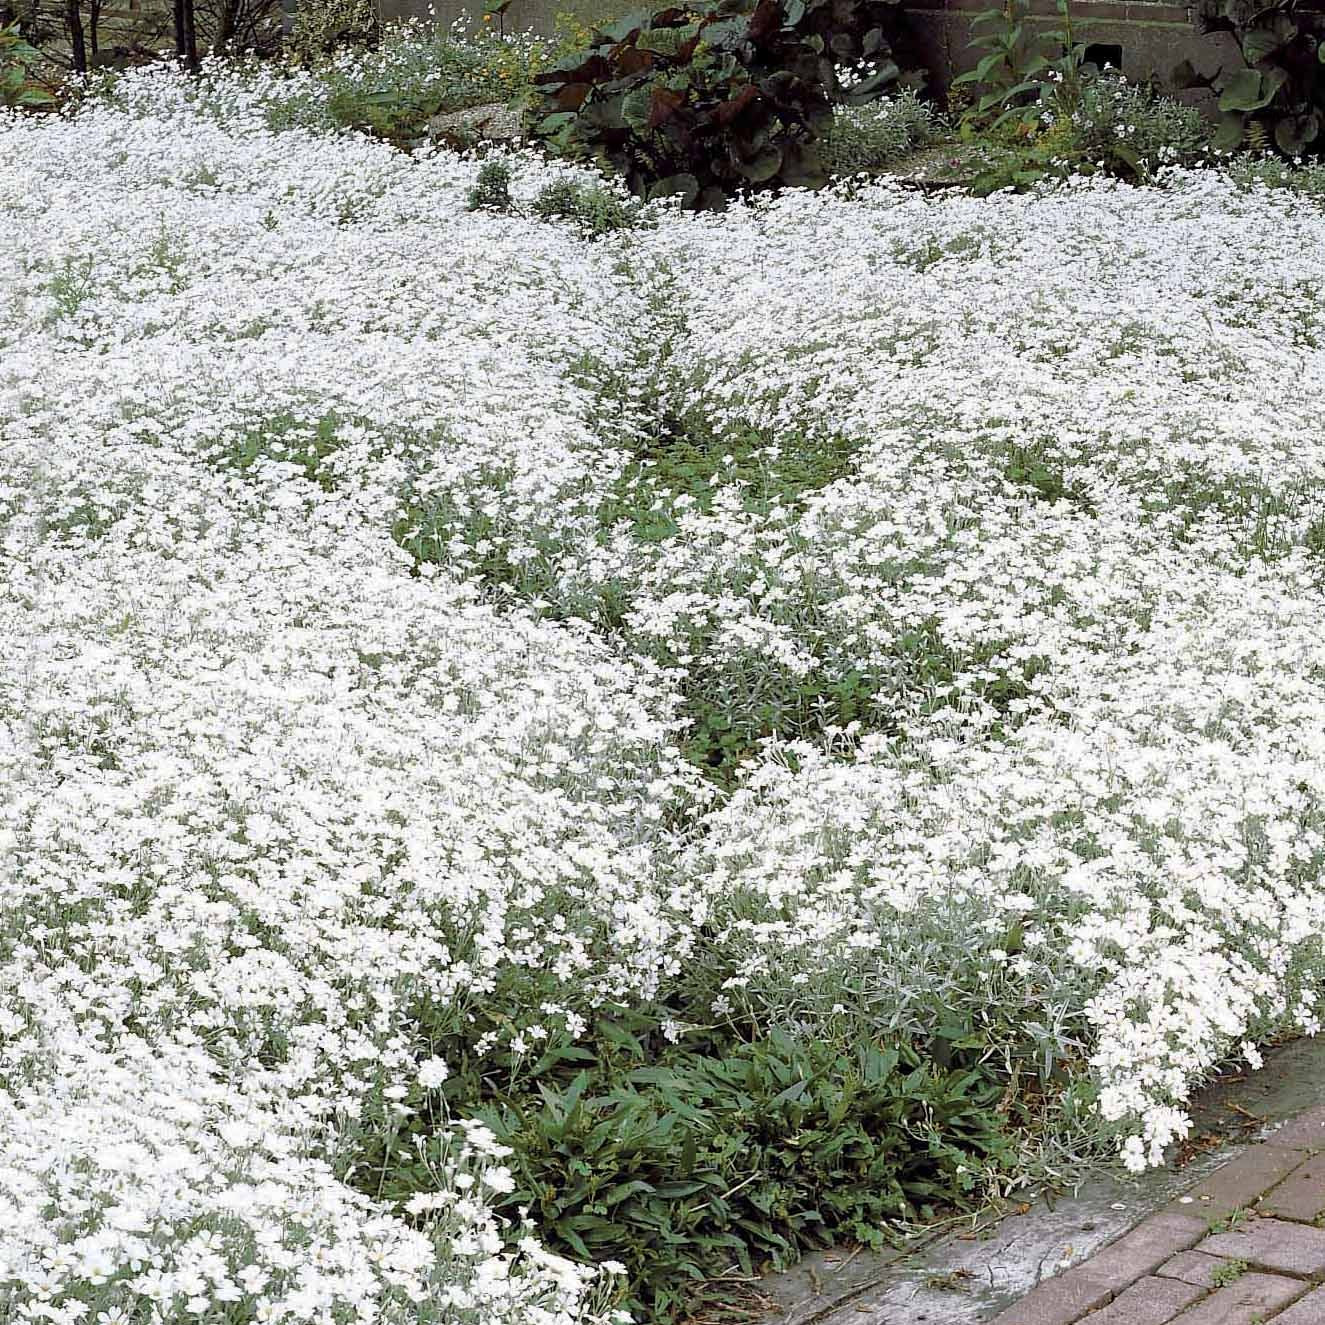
{"type": "Point", "coordinates": [1232, 128]}
{"type": "Point", "coordinates": [1250, 89]}
{"type": "Point", "coordinates": [1293, 134]}
{"type": "Point", "coordinates": [761, 166]}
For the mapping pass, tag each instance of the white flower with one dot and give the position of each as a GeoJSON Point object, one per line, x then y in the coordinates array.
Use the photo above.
{"type": "Point", "coordinates": [432, 1073]}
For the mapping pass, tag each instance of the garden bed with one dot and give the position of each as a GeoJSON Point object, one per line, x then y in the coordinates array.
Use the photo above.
{"type": "Point", "coordinates": [721, 735]}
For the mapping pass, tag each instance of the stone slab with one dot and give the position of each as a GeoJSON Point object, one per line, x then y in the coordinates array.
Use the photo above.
{"type": "Point", "coordinates": [1301, 1195]}
{"type": "Point", "coordinates": [1059, 1301]}
{"type": "Point", "coordinates": [1248, 1301]}
{"type": "Point", "coordinates": [1192, 1267]}
{"type": "Point", "coordinates": [1305, 1132]}
{"type": "Point", "coordinates": [1149, 1301]}
{"type": "Point", "coordinates": [1309, 1310]}
{"type": "Point", "coordinates": [1145, 1248]}
{"type": "Point", "coordinates": [1240, 1182]}
{"type": "Point", "coordinates": [1272, 1244]}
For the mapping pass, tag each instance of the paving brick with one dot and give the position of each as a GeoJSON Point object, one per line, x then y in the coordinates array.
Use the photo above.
{"type": "Point", "coordinates": [1301, 1195]}
{"type": "Point", "coordinates": [1309, 1310]}
{"type": "Point", "coordinates": [1248, 1301]}
{"type": "Point", "coordinates": [1059, 1301]}
{"type": "Point", "coordinates": [1239, 1182]}
{"type": "Point", "coordinates": [1149, 1301]}
{"type": "Point", "coordinates": [1305, 1132]}
{"type": "Point", "coordinates": [1272, 1244]}
{"type": "Point", "coordinates": [1145, 1249]}
{"type": "Point", "coordinates": [1192, 1267]}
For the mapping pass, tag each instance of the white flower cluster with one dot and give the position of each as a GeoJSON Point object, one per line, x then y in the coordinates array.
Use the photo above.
{"type": "Point", "coordinates": [265, 791]}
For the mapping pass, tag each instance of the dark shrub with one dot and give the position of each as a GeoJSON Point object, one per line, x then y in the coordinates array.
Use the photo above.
{"type": "Point", "coordinates": [1281, 83]}
{"type": "Point", "coordinates": [715, 97]}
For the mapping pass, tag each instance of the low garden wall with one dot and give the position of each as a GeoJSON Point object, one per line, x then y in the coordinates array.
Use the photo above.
{"type": "Point", "coordinates": [1148, 39]}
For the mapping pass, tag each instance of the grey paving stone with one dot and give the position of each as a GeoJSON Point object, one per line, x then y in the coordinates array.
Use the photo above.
{"type": "Point", "coordinates": [1062, 1300]}
{"type": "Point", "coordinates": [1305, 1132]}
{"type": "Point", "coordinates": [1301, 1195]}
{"type": "Point", "coordinates": [1144, 1249]}
{"type": "Point", "coordinates": [1309, 1310]}
{"type": "Point", "coordinates": [1272, 1244]}
{"type": "Point", "coordinates": [1192, 1267]}
{"type": "Point", "coordinates": [1149, 1301]}
{"type": "Point", "coordinates": [1239, 1182]}
{"type": "Point", "coordinates": [1248, 1301]}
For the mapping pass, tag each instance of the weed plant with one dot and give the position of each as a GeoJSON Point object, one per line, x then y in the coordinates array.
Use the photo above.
{"type": "Point", "coordinates": [872, 136]}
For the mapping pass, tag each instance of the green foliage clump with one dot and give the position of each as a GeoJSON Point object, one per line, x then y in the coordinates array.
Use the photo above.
{"type": "Point", "coordinates": [595, 209]}
{"type": "Point", "coordinates": [874, 135]}
{"type": "Point", "coordinates": [1116, 128]}
{"type": "Point", "coordinates": [322, 27]}
{"type": "Point", "coordinates": [1159, 130]}
{"type": "Point", "coordinates": [1008, 79]}
{"type": "Point", "coordinates": [1050, 114]}
{"type": "Point", "coordinates": [680, 1161]}
{"type": "Point", "coordinates": [1227, 1272]}
{"type": "Point", "coordinates": [18, 89]}
{"type": "Point", "coordinates": [310, 447]}
{"type": "Point", "coordinates": [1273, 172]}
{"type": "Point", "coordinates": [412, 74]}
{"type": "Point", "coordinates": [492, 188]}
{"type": "Point", "coordinates": [715, 97]}
{"type": "Point", "coordinates": [1281, 83]}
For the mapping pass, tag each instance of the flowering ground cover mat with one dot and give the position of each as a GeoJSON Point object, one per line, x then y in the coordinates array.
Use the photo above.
{"type": "Point", "coordinates": [875, 618]}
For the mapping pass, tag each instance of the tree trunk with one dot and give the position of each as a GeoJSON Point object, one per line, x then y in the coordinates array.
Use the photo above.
{"type": "Point", "coordinates": [74, 20]}
{"type": "Point", "coordinates": [190, 36]}
{"type": "Point", "coordinates": [227, 27]}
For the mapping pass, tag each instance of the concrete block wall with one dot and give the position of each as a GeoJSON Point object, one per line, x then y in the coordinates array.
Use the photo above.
{"type": "Point", "coordinates": [1153, 37]}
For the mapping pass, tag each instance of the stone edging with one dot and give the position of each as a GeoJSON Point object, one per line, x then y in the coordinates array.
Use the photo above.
{"type": "Point", "coordinates": [1241, 1248]}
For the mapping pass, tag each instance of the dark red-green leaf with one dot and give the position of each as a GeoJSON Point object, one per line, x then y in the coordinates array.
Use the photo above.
{"type": "Point", "coordinates": [730, 109]}
{"type": "Point", "coordinates": [664, 105]}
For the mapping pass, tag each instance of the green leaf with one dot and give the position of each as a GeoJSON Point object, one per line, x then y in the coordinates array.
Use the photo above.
{"type": "Point", "coordinates": [762, 165]}
{"type": "Point", "coordinates": [636, 108]}
{"type": "Point", "coordinates": [624, 28]}
{"type": "Point", "coordinates": [1228, 136]}
{"type": "Point", "coordinates": [685, 187]}
{"type": "Point", "coordinates": [1128, 154]}
{"type": "Point", "coordinates": [616, 1194]}
{"type": "Point", "coordinates": [1260, 43]}
{"type": "Point", "coordinates": [676, 1191]}
{"type": "Point", "coordinates": [1248, 89]}
{"type": "Point", "coordinates": [1294, 133]}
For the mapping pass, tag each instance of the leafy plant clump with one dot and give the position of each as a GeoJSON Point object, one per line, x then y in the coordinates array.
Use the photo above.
{"type": "Point", "coordinates": [1047, 113]}
{"type": "Point", "coordinates": [596, 210]}
{"type": "Point", "coordinates": [874, 135]}
{"type": "Point", "coordinates": [1133, 129]}
{"type": "Point", "coordinates": [322, 27]}
{"type": "Point", "coordinates": [713, 98]}
{"type": "Point", "coordinates": [1281, 84]}
{"type": "Point", "coordinates": [1273, 172]}
{"type": "Point", "coordinates": [492, 188]}
{"type": "Point", "coordinates": [410, 75]}
{"type": "Point", "coordinates": [673, 1160]}
{"type": "Point", "coordinates": [18, 89]}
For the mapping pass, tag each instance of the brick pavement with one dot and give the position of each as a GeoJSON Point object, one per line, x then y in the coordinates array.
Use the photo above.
{"type": "Point", "coordinates": [1245, 1247]}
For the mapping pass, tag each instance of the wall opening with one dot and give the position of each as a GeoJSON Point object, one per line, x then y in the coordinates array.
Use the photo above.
{"type": "Point", "coordinates": [1101, 53]}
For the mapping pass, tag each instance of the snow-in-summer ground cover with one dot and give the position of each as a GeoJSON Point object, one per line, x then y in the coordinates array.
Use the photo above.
{"type": "Point", "coordinates": [354, 618]}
